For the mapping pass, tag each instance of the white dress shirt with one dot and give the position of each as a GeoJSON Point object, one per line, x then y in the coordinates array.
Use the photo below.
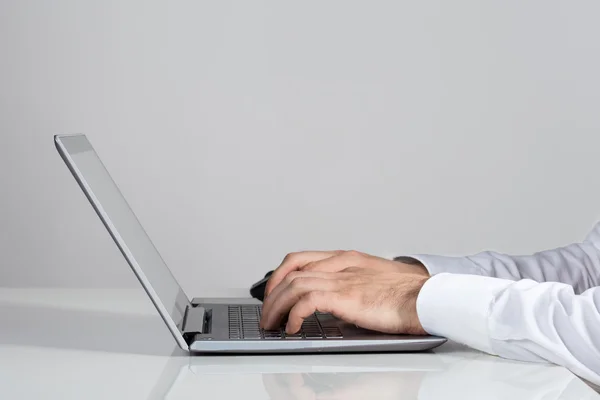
{"type": "Point", "coordinates": [544, 307]}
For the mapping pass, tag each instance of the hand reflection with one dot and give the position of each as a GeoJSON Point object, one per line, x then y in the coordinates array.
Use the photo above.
{"type": "Point", "coordinates": [464, 379]}
{"type": "Point", "coordinates": [313, 386]}
{"type": "Point", "coordinates": [447, 374]}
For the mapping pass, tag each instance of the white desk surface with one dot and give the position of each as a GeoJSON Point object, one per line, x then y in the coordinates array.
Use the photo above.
{"type": "Point", "coordinates": [111, 344]}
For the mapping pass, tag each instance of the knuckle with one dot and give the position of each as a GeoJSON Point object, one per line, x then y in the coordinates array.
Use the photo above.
{"type": "Point", "coordinates": [294, 274]}
{"type": "Point", "coordinates": [297, 282]}
{"type": "Point", "coordinates": [311, 266]}
{"type": "Point", "coordinates": [353, 254]}
{"type": "Point", "coordinates": [290, 277]}
{"type": "Point", "coordinates": [289, 257]}
{"type": "Point", "coordinates": [293, 277]}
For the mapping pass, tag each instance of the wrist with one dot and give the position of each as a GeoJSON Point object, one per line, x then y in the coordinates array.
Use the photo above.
{"type": "Point", "coordinates": [414, 326]}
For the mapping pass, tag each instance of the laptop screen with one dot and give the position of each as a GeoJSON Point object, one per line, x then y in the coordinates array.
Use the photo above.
{"type": "Point", "coordinates": [124, 226]}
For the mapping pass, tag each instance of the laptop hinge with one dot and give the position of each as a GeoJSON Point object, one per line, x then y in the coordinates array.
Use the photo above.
{"type": "Point", "coordinates": [195, 321]}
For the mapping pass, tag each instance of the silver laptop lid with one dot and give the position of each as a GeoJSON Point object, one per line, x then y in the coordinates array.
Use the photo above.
{"type": "Point", "coordinates": [126, 230]}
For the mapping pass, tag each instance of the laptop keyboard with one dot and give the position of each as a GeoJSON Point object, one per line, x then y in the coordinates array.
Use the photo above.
{"type": "Point", "coordinates": [244, 324]}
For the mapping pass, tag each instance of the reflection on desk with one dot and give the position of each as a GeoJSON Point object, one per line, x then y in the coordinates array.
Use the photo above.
{"type": "Point", "coordinates": [111, 344]}
{"type": "Point", "coordinates": [377, 376]}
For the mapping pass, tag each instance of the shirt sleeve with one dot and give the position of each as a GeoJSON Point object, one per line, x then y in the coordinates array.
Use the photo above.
{"type": "Point", "coordinates": [577, 265]}
{"type": "Point", "coordinates": [522, 320]}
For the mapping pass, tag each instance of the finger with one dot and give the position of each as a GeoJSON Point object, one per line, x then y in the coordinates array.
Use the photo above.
{"type": "Point", "coordinates": [322, 301]}
{"type": "Point", "coordinates": [290, 296]}
{"type": "Point", "coordinates": [269, 301]}
{"type": "Point", "coordinates": [340, 262]}
{"type": "Point", "coordinates": [293, 262]}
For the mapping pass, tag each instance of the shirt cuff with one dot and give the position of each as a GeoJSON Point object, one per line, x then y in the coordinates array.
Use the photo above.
{"type": "Point", "coordinates": [457, 307]}
{"type": "Point", "coordinates": [438, 264]}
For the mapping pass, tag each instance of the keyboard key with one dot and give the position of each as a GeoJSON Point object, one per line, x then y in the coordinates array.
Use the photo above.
{"type": "Point", "coordinates": [329, 322]}
{"type": "Point", "coordinates": [313, 336]}
{"type": "Point", "coordinates": [252, 337]}
{"type": "Point", "coordinates": [272, 334]}
{"type": "Point", "coordinates": [297, 335]}
{"type": "Point", "coordinates": [311, 327]}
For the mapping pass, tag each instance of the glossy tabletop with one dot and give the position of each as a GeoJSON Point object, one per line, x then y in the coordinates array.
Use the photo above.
{"type": "Point", "coordinates": [107, 343]}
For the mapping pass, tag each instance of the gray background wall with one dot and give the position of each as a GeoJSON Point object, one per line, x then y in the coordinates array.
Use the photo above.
{"type": "Point", "coordinates": [240, 131]}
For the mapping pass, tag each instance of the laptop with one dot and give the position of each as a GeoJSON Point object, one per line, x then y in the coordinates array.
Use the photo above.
{"type": "Point", "coordinates": [200, 327]}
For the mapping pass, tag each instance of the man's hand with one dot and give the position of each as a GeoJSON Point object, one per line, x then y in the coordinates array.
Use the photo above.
{"type": "Point", "coordinates": [334, 261]}
{"type": "Point", "coordinates": [371, 292]}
